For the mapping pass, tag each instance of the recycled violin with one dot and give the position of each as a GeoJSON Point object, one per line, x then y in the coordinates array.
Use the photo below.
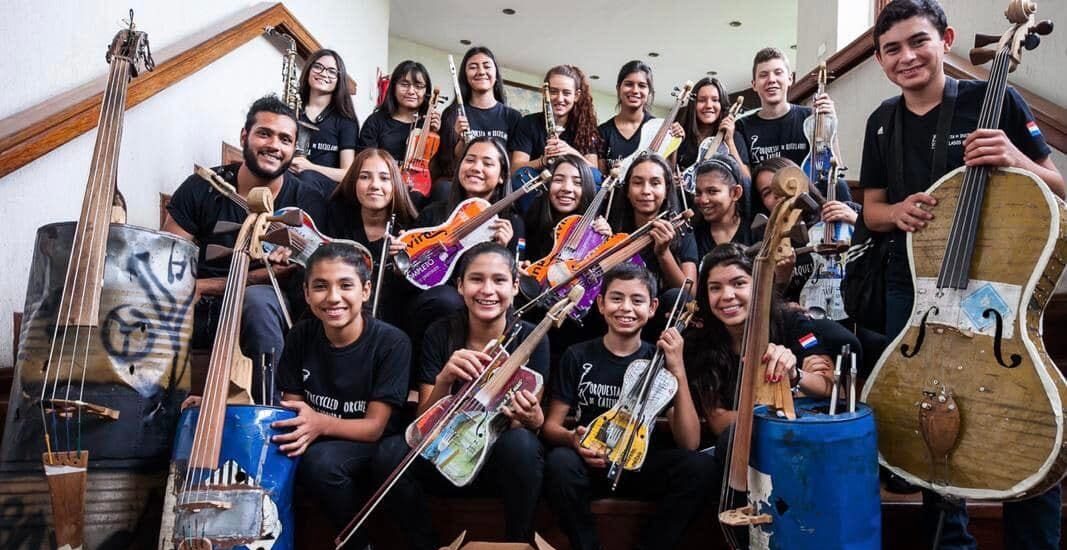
{"type": "Point", "coordinates": [456, 433]}
{"type": "Point", "coordinates": [821, 132]}
{"type": "Point", "coordinates": [655, 136]}
{"type": "Point", "coordinates": [710, 146]}
{"type": "Point", "coordinates": [422, 146]}
{"type": "Point", "coordinates": [430, 254]}
{"type": "Point", "coordinates": [622, 433]}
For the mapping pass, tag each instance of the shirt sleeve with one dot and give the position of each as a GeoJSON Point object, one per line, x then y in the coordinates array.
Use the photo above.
{"type": "Point", "coordinates": [290, 377]}
{"type": "Point", "coordinates": [348, 134]}
{"type": "Point", "coordinates": [310, 200]}
{"type": "Point", "coordinates": [184, 205]}
{"type": "Point", "coordinates": [1019, 124]}
{"type": "Point", "coordinates": [873, 169]}
{"type": "Point", "coordinates": [392, 368]}
{"type": "Point", "coordinates": [370, 135]}
{"type": "Point", "coordinates": [742, 147]}
{"type": "Point", "coordinates": [564, 378]}
{"type": "Point", "coordinates": [800, 332]}
{"type": "Point", "coordinates": [434, 352]}
{"type": "Point", "coordinates": [687, 249]}
{"type": "Point", "coordinates": [520, 139]}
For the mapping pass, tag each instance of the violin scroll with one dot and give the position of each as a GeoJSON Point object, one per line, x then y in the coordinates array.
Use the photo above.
{"type": "Point", "coordinates": [1025, 33]}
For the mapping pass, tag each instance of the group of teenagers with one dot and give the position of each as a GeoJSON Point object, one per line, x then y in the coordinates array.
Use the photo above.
{"type": "Point", "coordinates": [349, 375]}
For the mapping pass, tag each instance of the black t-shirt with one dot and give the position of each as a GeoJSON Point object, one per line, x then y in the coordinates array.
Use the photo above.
{"type": "Point", "coordinates": [437, 212]}
{"type": "Point", "coordinates": [687, 152]}
{"type": "Point", "coordinates": [384, 132]}
{"type": "Point", "coordinates": [438, 345]}
{"type": "Point", "coordinates": [777, 137]}
{"type": "Point", "coordinates": [335, 134]}
{"type": "Point", "coordinates": [794, 330]}
{"type": "Point", "coordinates": [497, 122]}
{"type": "Point", "coordinates": [919, 131]}
{"type": "Point", "coordinates": [530, 136]}
{"type": "Point", "coordinates": [613, 145]}
{"type": "Point", "coordinates": [589, 378]}
{"type": "Point", "coordinates": [341, 382]}
{"type": "Point", "coordinates": [196, 206]}
{"type": "Point", "coordinates": [705, 243]}
{"type": "Point", "coordinates": [683, 248]}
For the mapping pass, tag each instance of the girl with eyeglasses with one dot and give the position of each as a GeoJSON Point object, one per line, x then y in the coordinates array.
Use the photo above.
{"type": "Point", "coordinates": [328, 106]}
{"type": "Point", "coordinates": [405, 104]}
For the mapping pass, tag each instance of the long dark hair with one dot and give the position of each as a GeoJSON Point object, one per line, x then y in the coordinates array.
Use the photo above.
{"type": "Point", "coordinates": [465, 87]}
{"type": "Point", "coordinates": [541, 217]}
{"type": "Point", "coordinates": [401, 205]}
{"type": "Point", "coordinates": [621, 218]}
{"type": "Point", "coordinates": [458, 323]}
{"type": "Point", "coordinates": [457, 194]}
{"type": "Point", "coordinates": [582, 119]}
{"type": "Point", "coordinates": [340, 101]}
{"type": "Point", "coordinates": [636, 66]}
{"type": "Point", "coordinates": [730, 171]}
{"type": "Point", "coordinates": [405, 68]}
{"type": "Point", "coordinates": [710, 362]}
{"type": "Point", "coordinates": [690, 120]}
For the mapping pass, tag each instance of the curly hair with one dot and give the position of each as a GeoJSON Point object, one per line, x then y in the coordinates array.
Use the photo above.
{"type": "Point", "coordinates": [582, 120]}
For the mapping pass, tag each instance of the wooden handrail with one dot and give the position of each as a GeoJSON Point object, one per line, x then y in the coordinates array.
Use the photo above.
{"type": "Point", "coordinates": [33, 132]}
{"type": "Point", "coordinates": [1052, 118]}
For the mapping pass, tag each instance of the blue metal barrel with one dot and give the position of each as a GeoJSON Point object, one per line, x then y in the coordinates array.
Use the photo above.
{"type": "Point", "coordinates": [817, 477]}
{"type": "Point", "coordinates": [248, 458]}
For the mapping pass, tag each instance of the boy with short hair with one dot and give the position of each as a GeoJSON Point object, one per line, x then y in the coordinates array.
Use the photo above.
{"type": "Point", "coordinates": [901, 160]}
{"type": "Point", "coordinates": [588, 383]}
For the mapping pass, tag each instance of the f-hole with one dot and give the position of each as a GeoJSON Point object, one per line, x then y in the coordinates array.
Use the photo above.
{"type": "Point", "coordinates": [1016, 359]}
{"type": "Point", "coordinates": [905, 349]}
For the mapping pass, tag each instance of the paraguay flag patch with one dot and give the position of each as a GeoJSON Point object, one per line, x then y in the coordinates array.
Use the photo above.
{"type": "Point", "coordinates": [808, 340]}
{"type": "Point", "coordinates": [1033, 129]}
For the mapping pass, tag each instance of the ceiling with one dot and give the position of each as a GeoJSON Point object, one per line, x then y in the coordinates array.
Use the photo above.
{"type": "Point", "coordinates": [691, 36]}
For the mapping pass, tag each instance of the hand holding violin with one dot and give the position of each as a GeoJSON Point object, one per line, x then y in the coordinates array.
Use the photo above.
{"type": "Point", "coordinates": [593, 458]}
{"type": "Point", "coordinates": [525, 408]}
{"type": "Point", "coordinates": [464, 365]}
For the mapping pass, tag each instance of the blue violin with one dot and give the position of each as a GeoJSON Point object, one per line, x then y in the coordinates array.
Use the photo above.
{"type": "Point", "coordinates": [821, 131]}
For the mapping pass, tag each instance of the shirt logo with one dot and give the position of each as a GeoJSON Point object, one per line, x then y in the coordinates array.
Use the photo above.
{"type": "Point", "coordinates": [1033, 129]}
{"type": "Point", "coordinates": [306, 373]}
{"type": "Point", "coordinates": [881, 130]}
{"type": "Point", "coordinates": [808, 341]}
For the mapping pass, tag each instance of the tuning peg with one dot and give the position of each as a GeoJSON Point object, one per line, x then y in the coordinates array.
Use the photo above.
{"type": "Point", "coordinates": [981, 56]}
{"type": "Point", "coordinates": [1031, 41]}
{"type": "Point", "coordinates": [799, 233]}
{"type": "Point", "coordinates": [981, 40]}
{"type": "Point", "coordinates": [292, 218]}
{"type": "Point", "coordinates": [1043, 28]}
{"type": "Point", "coordinates": [280, 237]}
{"type": "Point", "coordinates": [222, 227]}
{"type": "Point", "coordinates": [808, 203]}
{"type": "Point", "coordinates": [217, 252]}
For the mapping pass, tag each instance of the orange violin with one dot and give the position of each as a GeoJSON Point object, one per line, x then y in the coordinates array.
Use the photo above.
{"type": "Point", "coordinates": [422, 146]}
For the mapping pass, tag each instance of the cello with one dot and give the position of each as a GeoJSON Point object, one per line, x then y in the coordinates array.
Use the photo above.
{"type": "Point", "coordinates": [654, 133]}
{"type": "Point", "coordinates": [230, 485]}
{"type": "Point", "coordinates": [422, 146]}
{"type": "Point", "coordinates": [457, 432]}
{"type": "Point", "coordinates": [103, 358]}
{"type": "Point", "coordinates": [968, 402]}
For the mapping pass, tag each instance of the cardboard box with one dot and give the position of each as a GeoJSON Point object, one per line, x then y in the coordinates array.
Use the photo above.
{"type": "Point", "coordinates": [539, 544]}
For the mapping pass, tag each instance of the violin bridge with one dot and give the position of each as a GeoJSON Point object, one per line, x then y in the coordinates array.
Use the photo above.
{"type": "Point", "coordinates": [68, 408]}
{"type": "Point", "coordinates": [66, 473]}
{"type": "Point", "coordinates": [743, 517]}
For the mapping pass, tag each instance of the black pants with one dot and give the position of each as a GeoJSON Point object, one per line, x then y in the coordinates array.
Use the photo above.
{"type": "Point", "coordinates": [339, 475]}
{"type": "Point", "coordinates": [680, 480]}
{"type": "Point", "coordinates": [513, 471]}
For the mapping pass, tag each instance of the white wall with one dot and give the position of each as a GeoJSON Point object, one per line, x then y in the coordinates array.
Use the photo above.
{"type": "Point", "coordinates": [164, 135]}
{"type": "Point", "coordinates": [436, 61]}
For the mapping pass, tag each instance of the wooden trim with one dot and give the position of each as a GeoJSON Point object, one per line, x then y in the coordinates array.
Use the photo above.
{"type": "Point", "coordinates": [33, 132]}
{"type": "Point", "coordinates": [231, 154]}
{"type": "Point", "coordinates": [838, 64]}
{"type": "Point", "coordinates": [1052, 118]}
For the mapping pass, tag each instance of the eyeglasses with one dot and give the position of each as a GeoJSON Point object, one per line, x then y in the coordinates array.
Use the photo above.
{"type": "Point", "coordinates": [319, 68]}
{"type": "Point", "coordinates": [407, 85]}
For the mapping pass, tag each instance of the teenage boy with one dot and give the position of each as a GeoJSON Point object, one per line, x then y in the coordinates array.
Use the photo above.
{"type": "Point", "coordinates": [911, 38]}
{"type": "Point", "coordinates": [588, 383]}
{"type": "Point", "coordinates": [345, 374]}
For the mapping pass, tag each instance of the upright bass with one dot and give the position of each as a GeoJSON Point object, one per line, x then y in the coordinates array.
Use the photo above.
{"type": "Point", "coordinates": [967, 400]}
{"type": "Point", "coordinates": [103, 358]}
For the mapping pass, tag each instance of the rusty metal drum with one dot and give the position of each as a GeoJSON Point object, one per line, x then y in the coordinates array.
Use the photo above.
{"type": "Point", "coordinates": [135, 362]}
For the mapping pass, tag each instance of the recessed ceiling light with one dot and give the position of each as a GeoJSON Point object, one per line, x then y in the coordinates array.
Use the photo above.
{"type": "Point", "coordinates": [594, 77]}
{"type": "Point", "coordinates": [793, 47]}
{"type": "Point", "coordinates": [508, 11]}
{"type": "Point", "coordinates": [653, 54]}
{"type": "Point", "coordinates": [735, 23]}
{"type": "Point", "coordinates": [465, 42]}
{"type": "Point", "coordinates": [713, 73]}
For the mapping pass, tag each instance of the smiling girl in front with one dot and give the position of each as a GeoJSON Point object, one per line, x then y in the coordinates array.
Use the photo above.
{"type": "Point", "coordinates": [569, 193]}
{"type": "Point", "coordinates": [452, 355]}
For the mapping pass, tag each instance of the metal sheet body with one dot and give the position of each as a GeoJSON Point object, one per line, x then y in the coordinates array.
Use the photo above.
{"type": "Point", "coordinates": [817, 477]}
{"type": "Point", "coordinates": [136, 361]}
